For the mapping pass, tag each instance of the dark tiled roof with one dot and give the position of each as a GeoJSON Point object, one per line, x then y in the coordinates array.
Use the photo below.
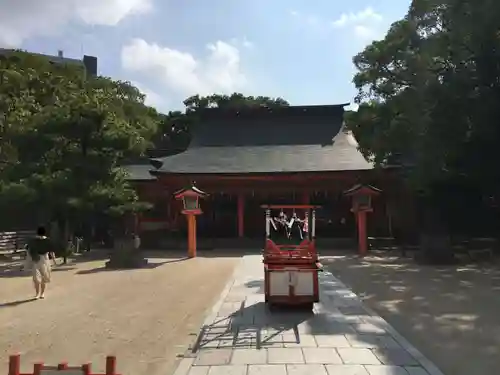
{"type": "Point", "coordinates": [267, 140]}
{"type": "Point", "coordinates": [291, 126]}
{"type": "Point", "coordinates": [339, 155]}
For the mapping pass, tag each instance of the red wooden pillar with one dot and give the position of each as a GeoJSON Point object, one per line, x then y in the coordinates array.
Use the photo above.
{"type": "Point", "coordinates": [195, 235]}
{"type": "Point", "coordinates": [191, 227]}
{"type": "Point", "coordinates": [37, 368]}
{"type": "Point", "coordinates": [87, 369]}
{"type": "Point", "coordinates": [241, 215]}
{"type": "Point", "coordinates": [14, 364]}
{"type": "Point", "coordinates": [110, 365]}
{"type": "Point", "coordinates": [362, 234]}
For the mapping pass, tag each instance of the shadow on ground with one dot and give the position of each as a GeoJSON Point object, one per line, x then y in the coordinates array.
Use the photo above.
{"type": "Point", "coordinates": [339, 321]}
{"type": "Point", "coordinates": [450, 313]}
{"type": "Point", "coordinates": [15, 269]}
{"type": "Point", "coordinates": [16, 303]}
{"type": "Point", "coordinates": [150, 265]}
{"type": "Point", "coordinates": [181, 254]}
{"type": "Point", "coordinates": [257, 326]}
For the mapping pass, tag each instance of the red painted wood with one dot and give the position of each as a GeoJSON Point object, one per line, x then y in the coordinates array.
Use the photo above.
{"type": "Point", "coordinates": [289, 206]}
{"type": "Point", "coordinates": [302, 176]}
{"type": "Point", "coordinates": [14, 364]}
{"type": "Point", "coordinates": [37, 368]}
{"type": "Point", "coordinates": [110, 365]}
{"type": "Point", "coordinates": [191, 227]}
{"type": "Point", "coordinates": [241, 215]}
{"type": "Point", "coordinates": [87, 369]}
{"type": "Point", "coordinates": [362, 235]}
{"type": "Point", "coordinates": [299, 258]}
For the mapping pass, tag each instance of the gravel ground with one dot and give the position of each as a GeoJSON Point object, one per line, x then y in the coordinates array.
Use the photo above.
{"type": "Point", "coordinates": [145, 317]}
{"type": "Point", "coordinates": [451, 314]}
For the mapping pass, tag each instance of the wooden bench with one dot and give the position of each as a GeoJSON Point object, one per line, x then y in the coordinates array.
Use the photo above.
{"type": "Point", "coordinates": [476, 248]}
{"type": "Point", "coordinates": [15, 241]}
{"type": "Point", "coordinates": [378, 243]}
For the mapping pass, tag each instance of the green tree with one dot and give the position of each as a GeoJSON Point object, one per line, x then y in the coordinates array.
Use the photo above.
{"type": "Point", "coordinates": [428, 94]}
{"type": "Point", "coordinates": [64, 137]}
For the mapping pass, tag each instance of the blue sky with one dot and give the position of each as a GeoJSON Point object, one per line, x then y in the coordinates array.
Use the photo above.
{"type": "Point", "coordinates": [172, 49]}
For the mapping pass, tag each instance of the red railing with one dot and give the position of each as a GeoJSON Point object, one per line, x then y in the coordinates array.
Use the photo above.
{"type": "Point", "coordinates": [15, 367]}
{"type": "Point", "coordinates": [305, 252]}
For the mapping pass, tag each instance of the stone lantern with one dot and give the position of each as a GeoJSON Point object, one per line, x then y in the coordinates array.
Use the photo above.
{"type": "Point", "coordinates": [361, 196]}
{"type": "Point", "coordinates": [191, 208]}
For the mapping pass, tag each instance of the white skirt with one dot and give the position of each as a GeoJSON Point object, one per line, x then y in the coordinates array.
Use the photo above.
{"type": "Point", "coordinates": [41, 270]}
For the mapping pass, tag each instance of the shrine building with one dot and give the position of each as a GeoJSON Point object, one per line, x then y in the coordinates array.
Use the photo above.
{"type": "Point", "coordinates": [249, 157]}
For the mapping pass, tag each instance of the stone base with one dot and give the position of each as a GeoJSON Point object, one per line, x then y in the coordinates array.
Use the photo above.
{"type": "Point", "coordinates": [126, 255]}
{"type": "Point", "coordinates": [436, 250]}
{"type": "Point", "coordinates": [127, 261]}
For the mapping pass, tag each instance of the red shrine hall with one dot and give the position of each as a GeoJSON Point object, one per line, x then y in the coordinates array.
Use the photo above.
{"type": "Point", "coordinates": [243, 159]}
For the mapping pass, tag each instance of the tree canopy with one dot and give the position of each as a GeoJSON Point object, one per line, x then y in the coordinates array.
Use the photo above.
{"type": "Point", "coordinates": [429, 93]}
{"type": "Point", "coordinates": [63, 136]}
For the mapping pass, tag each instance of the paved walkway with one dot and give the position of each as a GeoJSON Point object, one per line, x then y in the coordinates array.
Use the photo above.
{"type": "Point", "coordinates": [342, 337]}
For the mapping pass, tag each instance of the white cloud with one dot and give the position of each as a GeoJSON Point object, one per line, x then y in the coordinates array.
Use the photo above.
{"type": "Point", "coordinates": [111, 12]}
{"type": "Point", "coordinates": [22, 19]}
{"type": "Point", "coordinates": [182, 73]}
{"type": "Point", "coordinates": [366, 15]}
{"type": "Point", "coordinates": [365, 24]}
{"type": "Point", "coordinates": [152, 98]}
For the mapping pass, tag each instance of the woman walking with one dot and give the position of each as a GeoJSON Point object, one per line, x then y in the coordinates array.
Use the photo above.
{"type": "Point", "coordinates": [39, 248]}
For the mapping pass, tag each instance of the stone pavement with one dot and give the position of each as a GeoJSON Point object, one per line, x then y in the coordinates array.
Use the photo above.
{"type": "Point", "coordinates": [341, 336]}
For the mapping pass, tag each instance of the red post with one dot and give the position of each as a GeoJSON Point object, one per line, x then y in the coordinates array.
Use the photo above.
{"type": "Point", "coordinates": [193, 230]}
{"type": "Point", "coordinates": [62, 366]}
{"type": "Point", "coordinates": [111, 365]}
{"type": "Point", "coordinates": [241, 215]}
{"type": "Point", "coordinates": [191, 227]}
{"type": "Point", "coordinates": [362, 236]}
{"type": "Point", "coordinates": [87, 369]}
{"type": "Point", "coordinates": [37, 368]}
{"type": "Point", "coordinates": [14, 364]}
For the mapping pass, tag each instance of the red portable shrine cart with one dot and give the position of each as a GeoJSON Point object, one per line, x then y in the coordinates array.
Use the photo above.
{"type": "Point", "coordinates": [291, 270]}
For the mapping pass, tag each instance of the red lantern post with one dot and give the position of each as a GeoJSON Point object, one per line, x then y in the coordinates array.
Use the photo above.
{"type": "Point", "coordinates": [362, 204]}
{"type": "Point", "coordinates": [191, 208]}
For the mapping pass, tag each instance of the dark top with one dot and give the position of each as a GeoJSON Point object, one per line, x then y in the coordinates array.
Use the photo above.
{"type": "Point", "coordinates": [284, 140]}
{"type": "Point", "coordinates": [39, 246]}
